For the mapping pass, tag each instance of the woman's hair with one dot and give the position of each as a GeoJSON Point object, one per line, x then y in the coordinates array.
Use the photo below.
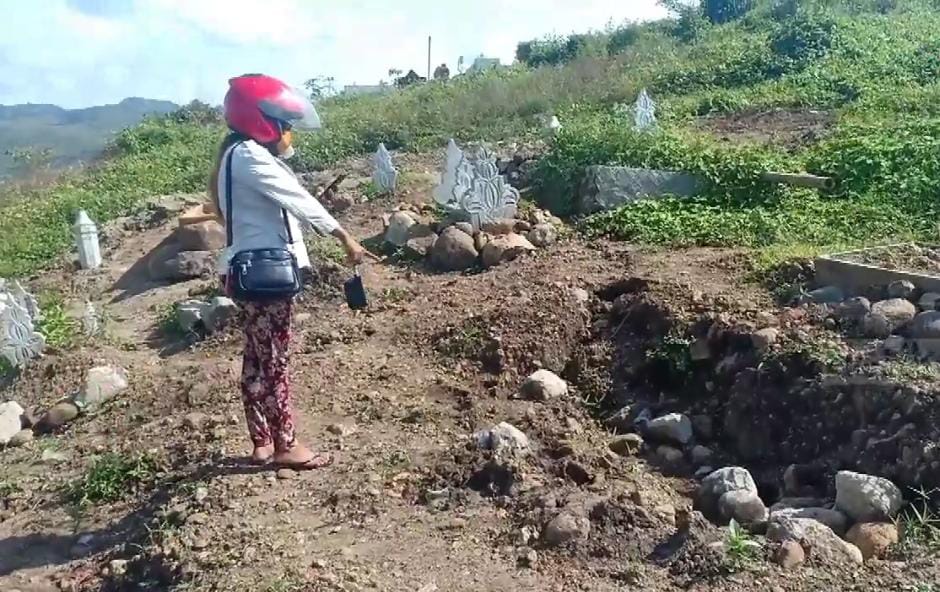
{"type": "Point", "coordinates": [230, 140]}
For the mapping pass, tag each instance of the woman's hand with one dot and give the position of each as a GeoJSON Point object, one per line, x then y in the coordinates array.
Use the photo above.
{"type": "Point", "coordinates": [355, 252]}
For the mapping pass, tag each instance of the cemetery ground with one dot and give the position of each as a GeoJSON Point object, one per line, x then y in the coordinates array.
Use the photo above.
{"type": "Point", "coordinates": [152, 491]}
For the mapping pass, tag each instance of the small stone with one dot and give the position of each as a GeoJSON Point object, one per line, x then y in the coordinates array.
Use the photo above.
{"type": "Point", "coordinates": [764, 339]}
{"type": "Point", "coordinates": [673, 427]}
{"type": "Point", "coordinates": [745, 507]}
{"type": "Point", "coordinates": [876, 326]}
{"type": "Point", "coordinates": [543, 385]}
{"type": "Point", "coordinates": [834, 519]}
{"type": "Point", "coordinates": [57, 417]}
{"type": "Point", "coordinates": [221, 310]}
{"type": "Point", "coordinates": [500, 227]}
{"type": "Point", "coordinates": [699, 350]}
{"type": "Point", "coordinates": [565, 528]}
{"type": "Point", "coordinates": [528, 558]}
{"type": "Point", "coordinates": [826, 295]}
{"type": "Point", "coordinates": [503, 438]}
{"type": "Point", "coordinates": [419, 247]}
{"type": "Point", "coordinates": [925, 330]}
{"type": "Point", "coordinates": [543, 235]}
{"type": "Point", "coordinates": [102, 384]}
{"type": "Point", "coordinates": [454, 250]}
{"type": "Point", "coordinates": [703, 427]}
{"type": "Point", "coordinates": [873, 539]}
{"type": "Point", "coordinates": [341, 429]}
{"type": "Point", "coordinates": [22, 438]}
{"type": "Point", "coordinates": [669, 456]}
{"type": "Point", "coordinates": [53, 457]}
{"type": "Point", "coordinates": [286, 474]}
{"type": "Point", "coordinates": [720, 482]}
{"type": "Point", "coordinates": [701, 455]}
{"type": "Point", "coordinates": [201, 494]}
{"type": "Point", "coordinates": [789, 555]}
{"type": "Point", "coordinates": [627, 445]}
{"type": "Point", "coordinates": [195, 420]}
{"type": "Point", "coordinates": [893, 345]}
{"type": "Point", "coordinates": [11, 421]}
{"type": "Point", "coordinates": [199, 543]}
{"type": "Point", "coordinates": [503, 248]}
{"type": "Point", "coordinates": [464, 227]}
{"type": "Point", "coordinates": [928, 302]}
{"type": "Point", "coordinates": [901, 289]}
{"type": "Point", "coordinates": [398, 231]}
{"type": "Point", "coordinates": [118, 567]}
{"type": "Point", "coordinates": [897, 311]}
{"type": "Point", "coordinates": [854, 309]}
{"type": "Point", "coordinates": [866, 498]}
{"type": "Point", "coordinates": [821, 540]}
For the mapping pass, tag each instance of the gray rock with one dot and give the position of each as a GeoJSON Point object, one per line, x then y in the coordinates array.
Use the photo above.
{"type": "Point", "coordinates": [877, 326]}
{"type": "Point", "coordinates": [702, 455]}
{"type": "Point", "coordinates": [608, 187]}
{"type": "Point", "coordinates": [789, 503]}
{"type": "Point", "coordinates": [57, 417]}
{"type": "Point", "coordinates": [189, 265]}
{"type": "Point", "coordinates": [190, 314]}
{"type": "Point", "coordinates": [454, 250]}
{"type": "Point", "coordinates": [897, 311]}
{"type": "Point", "coordinates": [824, 544]}
{"type": "Point", "coordinates": [420, 247]}
{"type": "Point", "coordinates": [925, 330]}
{"type": "Point", "coordinates": [11, 421]}
{"type": "Point", "coordinates": [699, 350]}
{"type": "Point", "coordinates": [221, 311]}
{"type": "Point", "coordinates": [673, 427]}
{"type": "Point", "coordinates": [721, 482]}
{"type": "Point", "coordinates": [669, 456]}
{"type": "Point", "coordinates": [543, 235]}
{"type": "Point", "coordinates": [826, 295]}
{"type": "Point", "coordinates": [742, 506]}
{"type": "Point", "coordinates": [703, 426]}
{"type": "Point", "coordinates": [627, 445]}
{"type": "Point", "coordinates": [866, 498]}
{"type": "Point", "coordinates": [834, 519]}
{"type": "Point", "coordinates": [398, 231]}
{"type": "Point", "coordinates": [929, 301]}
{"type": "Point", "coordinates": [703, 472]}
{"type": "Point", "coordinates": [543, 385]}
{"type": "Point", "coordinates": [901, 289]}
{"type": "Point", "coordinates": [500, 227]}
{"type": "Point", "coordinates": [22, 438]}
{"type": "Point", "coordinates": [465, 227]}
{"type": "Point", "coordinates": [565, 528]}
{"type": "Point", "coordinates": [203, 236]}
{"type": "Point", "coordinates": [102, 384]}
{"type": "Point", "coordinates": [503, 438]}
{"type": "Point", "coordinates": [764, 339]}
{"type": "Point", "coordinates": [893, 345]}
{"type": "Point", "coordinates": [854, 309]}
{"type": "Point", "coordinates": [503, 248]}
{"type": "Point", "coordinates": [789, 555]}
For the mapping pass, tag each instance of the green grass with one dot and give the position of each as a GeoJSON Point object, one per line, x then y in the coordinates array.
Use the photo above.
{"type": "Point", "coordinates": [168, 320]}
{"type": "Point", "coordinates": [741, 551]}
{"type": "Point", "coordinates": [58, 329]}
{"type": "Point", "coordinates": [919, 525]}
{"type": "Point", "coordinates": [326, 248]}
{"type": "Point", "coordinates": [110, 478]}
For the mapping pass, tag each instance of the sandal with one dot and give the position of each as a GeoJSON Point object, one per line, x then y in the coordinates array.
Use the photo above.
{"type": "Point", "coordinates": [317, 461]}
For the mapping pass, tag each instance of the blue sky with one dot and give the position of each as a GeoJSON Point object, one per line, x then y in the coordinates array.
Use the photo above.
{"type": "Point", "coordinates": [78, 53]}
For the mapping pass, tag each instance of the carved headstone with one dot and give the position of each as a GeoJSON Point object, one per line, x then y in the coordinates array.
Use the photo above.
{"type": "Point", "coordinates": [19, 340]}
{"type": "Point", "coordinates": [472, 187]}
{"type": "Point", "coordinates": [385, 175]}
{"type": "Point", "coordinates": [644, 112]}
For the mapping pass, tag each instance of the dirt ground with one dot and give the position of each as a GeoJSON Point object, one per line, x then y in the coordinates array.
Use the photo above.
{"type": "Point", "coordinates": [394, 393]}
{"type": "Point", "coordinates": [786, 128]}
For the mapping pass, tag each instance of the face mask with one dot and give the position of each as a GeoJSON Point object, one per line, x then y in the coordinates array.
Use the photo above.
{"type": "Point", "coordinates": [287, 154]}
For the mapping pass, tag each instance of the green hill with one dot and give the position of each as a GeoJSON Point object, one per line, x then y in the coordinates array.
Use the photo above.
{"type": "Point", "coordinates": [70, 135]}
{"type": "Point", "coordinates": [867, 69]}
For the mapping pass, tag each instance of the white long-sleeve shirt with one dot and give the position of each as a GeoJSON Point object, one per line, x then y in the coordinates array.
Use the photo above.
{"type": "Point", "coordinates": [261, 186]}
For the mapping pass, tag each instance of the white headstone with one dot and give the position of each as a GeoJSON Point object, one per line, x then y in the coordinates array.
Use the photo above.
{"type": "Point", "coordinates": [385, 175]}
{"type": "Point", "coordinates": [645, 112]}
{"type": "Point", "coordinates": [19, 341]}
{"type": "Point", "coordinates": [86, 239]}
{"type": "Point", "coordinates": [472, 186]}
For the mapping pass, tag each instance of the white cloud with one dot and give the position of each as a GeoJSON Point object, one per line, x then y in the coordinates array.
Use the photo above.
{"type": "Point", "coordinates": [184, 49]}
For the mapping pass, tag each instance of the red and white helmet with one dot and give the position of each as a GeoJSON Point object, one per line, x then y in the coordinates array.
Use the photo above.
{"type": "Point", "coordinates": [258, 106]}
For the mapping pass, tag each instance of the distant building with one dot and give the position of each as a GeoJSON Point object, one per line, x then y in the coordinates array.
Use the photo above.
{"type": "Point", "coordinates": [365, 89]}
{"type": "Point", "coordinates": [410, 78]}
{"type": "Point", "coordinates": [484, 63]}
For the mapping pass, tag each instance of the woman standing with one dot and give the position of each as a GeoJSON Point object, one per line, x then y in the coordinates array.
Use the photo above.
{"type": "Point", "coordinates": [263, 205]}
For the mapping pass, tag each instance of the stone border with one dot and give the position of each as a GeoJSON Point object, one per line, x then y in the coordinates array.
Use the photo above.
{"type": "Point", "coordinates": [855, 277]}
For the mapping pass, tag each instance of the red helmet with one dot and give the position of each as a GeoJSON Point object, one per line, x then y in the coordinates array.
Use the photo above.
{"type": "Point", "coordinates": [257, 106]}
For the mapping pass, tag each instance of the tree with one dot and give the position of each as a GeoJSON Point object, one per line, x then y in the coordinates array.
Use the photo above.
{"type": "Point", "coordinates": [442, 73]}
{"type": "Point", "coordinates": [320, 87]}
{"type": "Point", "coordinates": [394, 73]}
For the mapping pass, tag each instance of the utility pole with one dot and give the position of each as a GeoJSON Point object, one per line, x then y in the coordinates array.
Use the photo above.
{"type": "Point", "coordinates": [429, 57]}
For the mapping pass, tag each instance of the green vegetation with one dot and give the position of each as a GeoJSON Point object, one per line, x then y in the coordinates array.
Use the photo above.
{"type": "Point", "coordinates": [326, 248]}
{"type": "Point", "coordinates": [919, 525]}
{"type": "Point", "coordinates": [740, 549]}
{"type": "Point", "coordinates": [110, 478]}
{"type": "Point", "coordinates": [871, 65]}
{"type": "Point", "coordinates": [58, 329]}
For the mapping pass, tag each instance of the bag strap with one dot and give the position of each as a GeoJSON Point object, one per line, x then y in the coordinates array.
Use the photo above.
{"type": "Point", "coordinates": [229, 226]}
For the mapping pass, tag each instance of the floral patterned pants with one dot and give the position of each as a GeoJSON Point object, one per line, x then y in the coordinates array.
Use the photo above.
{"type": "Point", "coordinates": [265, 383]}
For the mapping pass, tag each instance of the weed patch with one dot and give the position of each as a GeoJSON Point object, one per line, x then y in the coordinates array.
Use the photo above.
{"type": "Point", "coordinates": [110, 478]}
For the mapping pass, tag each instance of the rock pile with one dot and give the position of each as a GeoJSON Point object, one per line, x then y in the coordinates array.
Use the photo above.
{"type": "Point", "coordinates": [455, 245]}
{"type": "Point", "coordinates": [191, 251]}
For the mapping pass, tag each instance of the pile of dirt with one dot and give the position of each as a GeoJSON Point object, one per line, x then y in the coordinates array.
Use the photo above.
{"type": "Point", "coordinates": [788, 128]}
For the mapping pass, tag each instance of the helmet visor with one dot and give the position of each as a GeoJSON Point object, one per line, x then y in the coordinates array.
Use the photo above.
{"type": "Point", "coordinates": [292, 107]}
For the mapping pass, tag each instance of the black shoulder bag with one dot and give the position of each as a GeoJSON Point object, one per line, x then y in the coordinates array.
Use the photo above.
{"type": "Point", "coordinates": [259, 274]}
